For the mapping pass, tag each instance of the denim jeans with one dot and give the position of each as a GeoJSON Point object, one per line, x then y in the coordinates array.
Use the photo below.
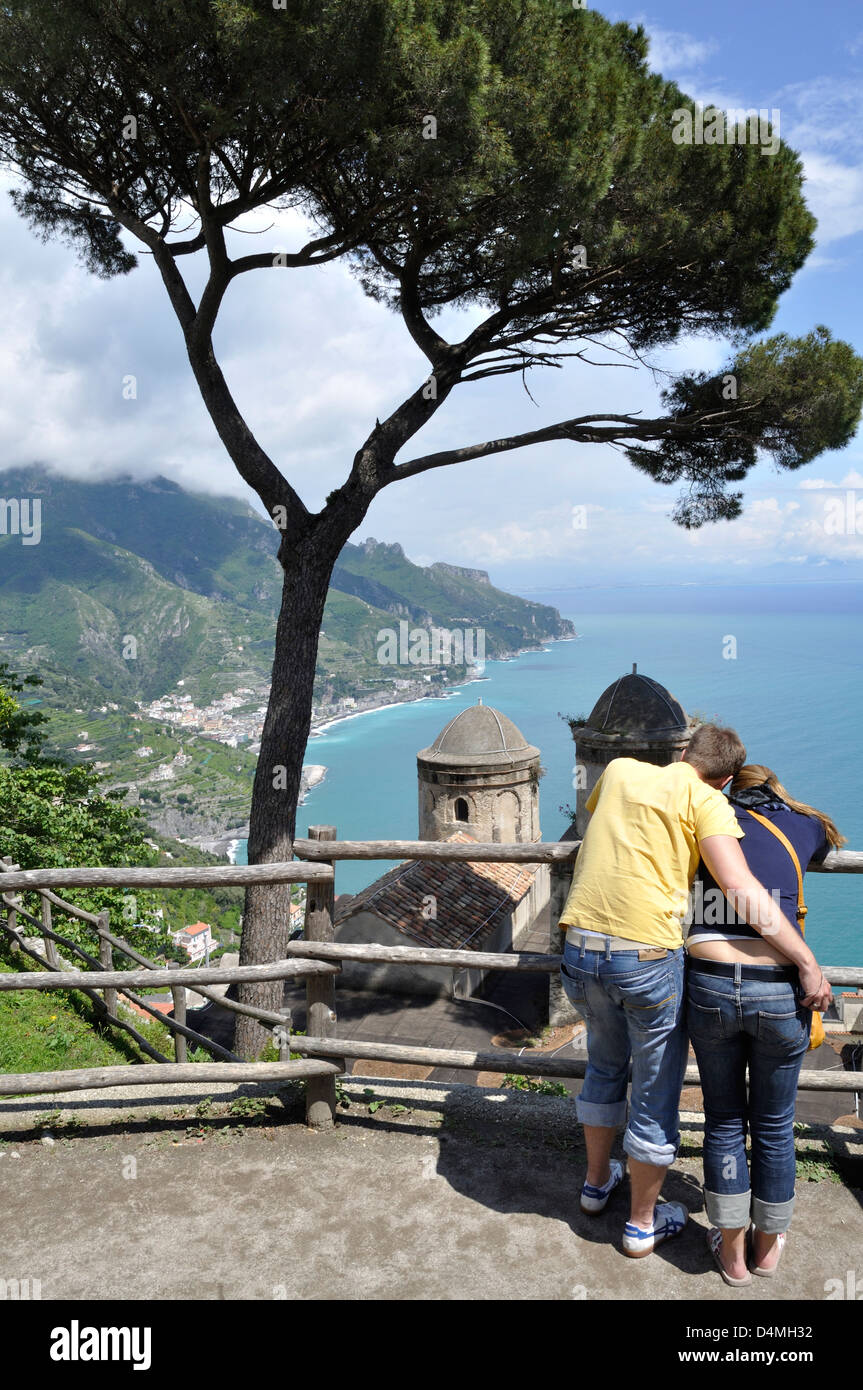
{"type": "Point", "coordinates": [634, 1009]}
{"type": "Point", "coordinates": [759, 1024]}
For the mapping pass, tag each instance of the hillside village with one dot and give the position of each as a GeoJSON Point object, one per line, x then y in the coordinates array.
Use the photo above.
{"type": "Point", "coordinates": [237, 717]}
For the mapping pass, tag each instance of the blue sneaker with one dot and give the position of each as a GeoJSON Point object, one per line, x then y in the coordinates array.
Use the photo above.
{"type": "Point", "coordinates": [669, 1219]}
{"type": "Point", "coordinates": [593, 1199]}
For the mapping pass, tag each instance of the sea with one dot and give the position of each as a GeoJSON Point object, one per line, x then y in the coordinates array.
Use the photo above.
{"type": "Point", "coordinates": [782, 663]}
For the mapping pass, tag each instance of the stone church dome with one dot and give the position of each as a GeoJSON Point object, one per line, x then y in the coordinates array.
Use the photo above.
{"type": "Point", "coordinates": [635, 704]}
{"type": "Point", "coordinates": [479, 736]}
{"type": "Point", "coordinates": [635, 717]}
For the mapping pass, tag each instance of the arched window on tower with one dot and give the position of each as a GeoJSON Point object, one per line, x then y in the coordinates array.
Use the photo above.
{"type": "Point", "coordinates": [462, 810]}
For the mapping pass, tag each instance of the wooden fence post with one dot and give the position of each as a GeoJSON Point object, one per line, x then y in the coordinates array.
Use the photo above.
{"type": "Point", "coordinates": [284, 1031]}
{"type": "Point", "coordinates": [320, 991]}
{"type": "Point", "coordinates": [178, 994]}
{"type": "Point", "coordinates": [11, 914]}
{"type": "Point", "coordinates": [12, 924]}
{"type": "Point", "coordinates": [51, 954]}
{"type": "Point", "coordinates": [107, 959]}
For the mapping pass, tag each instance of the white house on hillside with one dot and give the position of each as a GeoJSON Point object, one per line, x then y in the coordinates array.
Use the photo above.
{"type": "Point", "coordinates": [196, 940]}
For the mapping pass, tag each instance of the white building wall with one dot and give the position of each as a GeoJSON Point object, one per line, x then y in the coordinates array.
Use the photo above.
{"type": "Point", "coordinates": [366, 926]}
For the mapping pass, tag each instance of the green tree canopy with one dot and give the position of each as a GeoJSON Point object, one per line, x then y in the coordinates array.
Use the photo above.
{"type": "Point", "coordinates": [54, 816]}
{"type": "Point", "coordinates": [21, 737]}
{"type": "Point", "coordinates": [457, 153]}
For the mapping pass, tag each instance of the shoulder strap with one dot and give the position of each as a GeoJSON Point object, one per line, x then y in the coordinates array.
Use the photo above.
{"type": "Point", "coordinates": [802, 909]}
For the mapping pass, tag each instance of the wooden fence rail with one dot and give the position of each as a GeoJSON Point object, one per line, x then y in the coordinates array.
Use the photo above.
{"type": "Point", "coordinates": [179, 975]}
{"type": "Point", "coordinates": [181, 876]}
{"type": "Point", "coordinates": [315, 865]}
{"type": "Point", "coordinates": [845, 861]}
{"type": "Point", "coordinates": [502, 1061]}
{"type": "Point", "coordinates": [95, 1078]}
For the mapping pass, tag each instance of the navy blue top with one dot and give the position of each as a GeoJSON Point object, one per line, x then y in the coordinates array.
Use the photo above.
{"type": "Point", "coordinates": [768, 860]}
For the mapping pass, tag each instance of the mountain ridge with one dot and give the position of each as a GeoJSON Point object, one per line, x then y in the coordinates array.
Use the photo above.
{"type": "Point", "coordinates": [191, 583]}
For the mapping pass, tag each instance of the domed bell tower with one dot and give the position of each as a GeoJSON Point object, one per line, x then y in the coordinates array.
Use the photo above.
{"type": "Point", "coordinates": [480, 776]}
{"type": "Point", "coordinates": [636, 717]}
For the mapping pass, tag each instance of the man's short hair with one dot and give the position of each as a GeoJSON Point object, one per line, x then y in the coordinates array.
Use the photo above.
{"type": "Point", "coordinates": [716, 752]}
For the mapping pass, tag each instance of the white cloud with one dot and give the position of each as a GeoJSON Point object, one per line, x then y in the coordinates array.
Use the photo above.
{"type": "Point", "coordinates": [851, 479]}
{"type": "Point", "coordinates": [799, 530]}
{"type": "Point", "coordinates": [672, 51]}
{"type": "Point", "coordinates": [821, 119]}
{"type": "Point", "coordinates": [826, 113]}
{"type": "Point", "coordinates": [834, 192]}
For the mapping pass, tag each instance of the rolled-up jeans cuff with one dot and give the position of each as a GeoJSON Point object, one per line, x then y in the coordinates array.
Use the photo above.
{"type": "Point", "coordinates": [659, 1155]}
{"type": "Point", "coordinates": [610, 1115]}
{"type": "Point", "coordinates": [728, 1210]}
{"type": "Point", "coordinates": [772, 1217]}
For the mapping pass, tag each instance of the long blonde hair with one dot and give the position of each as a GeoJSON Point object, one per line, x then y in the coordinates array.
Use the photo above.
{"type": "Point", "coordinates": [754, 774]}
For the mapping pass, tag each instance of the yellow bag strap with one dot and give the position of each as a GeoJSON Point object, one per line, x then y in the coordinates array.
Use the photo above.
{"type": "Point", "coordinates": [802, 909]}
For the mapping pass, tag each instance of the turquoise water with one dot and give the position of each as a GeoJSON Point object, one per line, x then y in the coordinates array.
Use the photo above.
{"type": "Point", "coordinates": [792, 690]}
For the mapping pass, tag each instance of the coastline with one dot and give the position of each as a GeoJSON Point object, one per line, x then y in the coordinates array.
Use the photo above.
{"type": "Point", "coordinates": [314, 773]}
{"type": "Point", "coordinates": [324, 725]}
{"type": "Point", "coordinates": [385, 704]}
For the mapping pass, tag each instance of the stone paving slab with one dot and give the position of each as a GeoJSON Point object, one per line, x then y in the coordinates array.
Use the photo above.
{"type": "Point", "coordinates": [467, 1194]}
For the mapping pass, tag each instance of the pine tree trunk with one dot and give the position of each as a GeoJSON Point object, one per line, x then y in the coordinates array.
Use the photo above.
{"type": "Point", "coordinates": [266, 919]}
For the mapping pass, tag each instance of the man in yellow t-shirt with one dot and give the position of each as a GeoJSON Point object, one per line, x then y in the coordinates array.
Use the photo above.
{"type": "Point", "coordinates": [636, 865]}
{"type": "Point", "coordinates": [623, 963]}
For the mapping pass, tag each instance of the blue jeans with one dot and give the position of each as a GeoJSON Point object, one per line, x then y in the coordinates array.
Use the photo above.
{"type": "Point", "coordinates": [759, 1024]}
{"type": "Point", "coordinates": [632, 1008]}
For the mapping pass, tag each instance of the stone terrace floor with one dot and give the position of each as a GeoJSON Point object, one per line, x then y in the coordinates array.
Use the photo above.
{"type": "Point", "coordinates": [465, 1193]}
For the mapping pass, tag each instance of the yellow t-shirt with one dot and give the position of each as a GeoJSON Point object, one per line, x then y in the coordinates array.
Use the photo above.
{"type": "Point", "coordinates": [639, 855]}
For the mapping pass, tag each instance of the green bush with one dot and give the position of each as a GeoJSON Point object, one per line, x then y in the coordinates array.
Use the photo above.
{"type": "Point", "coordinates": [540, 1085]}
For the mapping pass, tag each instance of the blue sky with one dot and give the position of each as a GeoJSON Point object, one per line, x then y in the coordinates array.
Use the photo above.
{"type": "Point", "coordinates": [312, 362]}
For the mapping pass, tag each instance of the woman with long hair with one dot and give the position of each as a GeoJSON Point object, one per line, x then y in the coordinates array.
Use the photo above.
{"type": "Point", "coordinates": [744, 1012]}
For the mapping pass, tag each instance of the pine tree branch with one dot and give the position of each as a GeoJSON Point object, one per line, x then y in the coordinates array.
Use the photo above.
{"type": "Point", "coordinates": [581, 430]}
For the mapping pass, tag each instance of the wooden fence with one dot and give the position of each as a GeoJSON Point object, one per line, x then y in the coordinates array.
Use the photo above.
{"type": "Point", "coordinates": [316, 959]}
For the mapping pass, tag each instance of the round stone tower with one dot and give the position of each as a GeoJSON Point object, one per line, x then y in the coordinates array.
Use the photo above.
{"type": "Point", "coordinates": [481, 776]}
{"type": "Point", "coordinates": [636, 717]}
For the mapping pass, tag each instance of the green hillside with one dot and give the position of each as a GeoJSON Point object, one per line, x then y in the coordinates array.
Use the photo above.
{"type": "Point", "coordinates": [150, 614]}
{"type": "Point", "coordinates": [455, 597]}
{"type": "Point", "coordinates": [217, 547]}
{"type": "Point", "coordinates": [104, 615]}
{"type": "Point", "coordinates": [195, 583]}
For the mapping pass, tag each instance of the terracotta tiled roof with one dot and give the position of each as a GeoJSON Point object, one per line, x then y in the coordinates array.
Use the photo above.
{"type": "Point", "coordinates": [470, 898]}
{"type": "Point", "coordinates": [163, 1006]}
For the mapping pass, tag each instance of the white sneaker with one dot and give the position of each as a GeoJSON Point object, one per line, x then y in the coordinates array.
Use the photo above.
{"type": "Point", "coordinates": [669, 1219]}
{"type": "Point", "coordinates": [593, 1199]}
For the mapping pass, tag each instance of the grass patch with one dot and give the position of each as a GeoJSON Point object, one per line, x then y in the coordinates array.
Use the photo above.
{"type": "Point", "coordinates": [539, 1085]}
{"type": "Point", "coordinates": [61, 1030]}
{"type": "Point", "coordinates": [814, 1161]}
{"type": "Point", "coordinates": [821, 1169]}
